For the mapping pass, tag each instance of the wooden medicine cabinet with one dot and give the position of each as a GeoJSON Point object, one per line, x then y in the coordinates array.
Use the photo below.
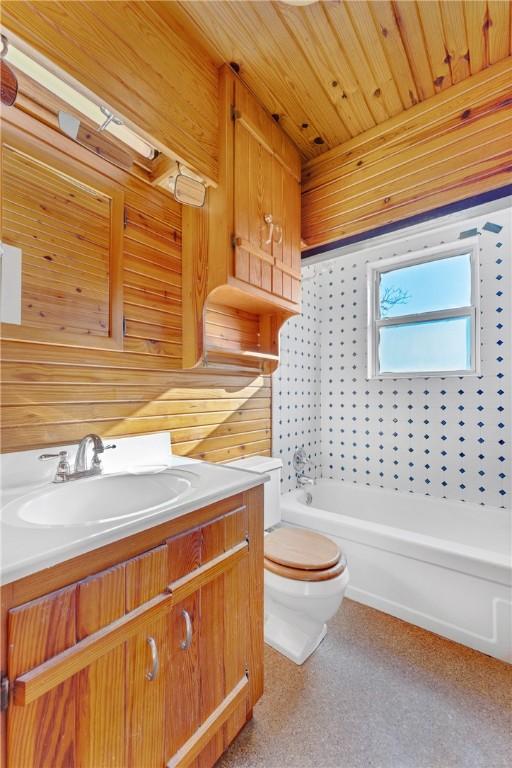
{"type": "Point", "coordinates": [67, 222]}
{"type": "Point", "coordinates": [241, 254]}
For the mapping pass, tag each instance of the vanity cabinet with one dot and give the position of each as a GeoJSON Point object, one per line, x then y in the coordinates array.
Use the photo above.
{"type": "Point", "coordinates": [241, 253]}
{"type": "Point", "coordinates": [154, 660]}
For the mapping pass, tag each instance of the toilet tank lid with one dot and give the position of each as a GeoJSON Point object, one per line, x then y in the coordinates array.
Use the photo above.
{"type": "Point", "coordinates": [260, 464]}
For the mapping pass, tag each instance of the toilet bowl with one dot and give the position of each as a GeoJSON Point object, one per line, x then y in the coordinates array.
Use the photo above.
{"type": "Point", "coordinates": [305, 578]}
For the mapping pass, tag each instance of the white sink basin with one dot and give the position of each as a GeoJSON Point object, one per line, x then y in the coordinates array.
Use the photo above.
{"type": "Point", "coordinates": [101, 499]}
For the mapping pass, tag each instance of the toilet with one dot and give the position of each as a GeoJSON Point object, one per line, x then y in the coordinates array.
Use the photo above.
{"type": "Point", "coordinates": [306, 574]}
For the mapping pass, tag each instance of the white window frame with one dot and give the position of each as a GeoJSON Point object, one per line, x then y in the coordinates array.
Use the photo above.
{"type": "Point", "coordinates": [374, 270]}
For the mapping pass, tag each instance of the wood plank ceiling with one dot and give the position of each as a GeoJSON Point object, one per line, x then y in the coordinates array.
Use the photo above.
{"type": "Point", "coordinates": [332, 70]}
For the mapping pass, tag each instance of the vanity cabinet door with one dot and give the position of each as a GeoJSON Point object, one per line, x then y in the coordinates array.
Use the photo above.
{"type": "Point", "coordinates": [184, 675]}
{"type": "Point", "coordinates": [100, 687]}
{"type": "Point", "coordinates": [42, 733]}
{"type": "Point", "coordinates": [208, 691]}
{"type": "Point", "coordinates": [147, 664]}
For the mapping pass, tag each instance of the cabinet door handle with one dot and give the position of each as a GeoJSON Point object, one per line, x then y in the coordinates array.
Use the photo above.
{"type": "Point", "coordinates": [154, 660]}
{"type": "Point", "coordinates": [188, 631]}
{"type": "Point", "coordinates": [269, 220]}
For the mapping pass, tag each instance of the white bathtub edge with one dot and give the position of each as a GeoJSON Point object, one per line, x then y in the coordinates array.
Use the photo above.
{"type": "Point", "coordinates": [458, 591]}
{"type": "Point", "coordinates": [499, 645]}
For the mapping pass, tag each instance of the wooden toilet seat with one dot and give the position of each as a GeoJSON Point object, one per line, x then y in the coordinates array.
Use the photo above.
{"type": "Point", "coordinates": [302, 555]}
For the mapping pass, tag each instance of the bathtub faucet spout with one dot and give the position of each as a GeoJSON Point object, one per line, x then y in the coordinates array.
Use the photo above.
{"type": "Point", "coordinates": [303, 481]}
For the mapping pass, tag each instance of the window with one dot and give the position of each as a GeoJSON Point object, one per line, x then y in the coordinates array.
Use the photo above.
{"type": "Point", "coordinates": [423, 313]}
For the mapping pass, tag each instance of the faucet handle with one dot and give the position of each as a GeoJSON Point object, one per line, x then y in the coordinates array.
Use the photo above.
{"type": "Point", "coordinates": [300, 460]}
{"type": "Point", "coordinates": [60, 455]}
{"type": "Point", "coordinates": [96, 461]}
{"type": "Point", "coordinates": [63, 469]}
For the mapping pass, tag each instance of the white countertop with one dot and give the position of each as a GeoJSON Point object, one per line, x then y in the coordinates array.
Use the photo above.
{"type": "Point", "coordinates": [28, 548]}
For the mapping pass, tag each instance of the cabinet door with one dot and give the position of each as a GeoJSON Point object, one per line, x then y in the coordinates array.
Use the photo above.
{"type": "Point", "coordinates": [101, 701]}
{"type": "Point", "coordinates": [266, 201]}
{"type": "Point", "coordinates": [42, 734]}
{"type": "Point", "coordinates": [184, 556]}
{"type": "Point", "coordinates": [147, 664]}
{"type": "Point", "coordinates": [252, 192]}
{"type": "Point", "coordinates": [209, 644]}
{"type": "Point", "coordinates": [81, 722]}
{"type": "Point", "coordinates": [236, 621]}
{"type": "Point", "coordinates": [286, 241]}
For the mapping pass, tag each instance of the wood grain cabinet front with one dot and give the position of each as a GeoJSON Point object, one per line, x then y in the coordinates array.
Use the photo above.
{"type": "Point", "coordinates": [145, 664]}
{"type": "Point", "coordinates": [241, 254]}
{"type": "Point", "coordinates": [64, 221]}
{"type": "Point", "coordinates": [266, 203]}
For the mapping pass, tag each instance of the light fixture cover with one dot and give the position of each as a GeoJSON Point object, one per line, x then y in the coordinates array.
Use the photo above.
{"type": "Point", "coordinates": [189, 191]}
{"type": "Point", "coordinates": [76, 99]}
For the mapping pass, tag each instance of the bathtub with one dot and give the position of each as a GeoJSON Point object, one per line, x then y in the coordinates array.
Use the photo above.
{"type": "Point", "coordinates": [443, 565]}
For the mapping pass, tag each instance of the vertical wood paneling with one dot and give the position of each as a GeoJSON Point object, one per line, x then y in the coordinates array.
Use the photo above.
{"type": "Point", "coordinates": [432, 22]}
{"type": "Point", "coordinates": [393, 44]}
{"type": "Point", "coordinates": [331, 67]}
{"type": "Point", "coordinates": [381, 98]}
{"type": "Point", "coordinates": [412, 35]}
{"type": "Point", "coordinates": [455, 38]}
{"type": "Point", "coordinates": [368, 35]}
{"type": "Point", "coordinates": [498, 26]}
{"type": "Point", "coordinates": [476, 25]}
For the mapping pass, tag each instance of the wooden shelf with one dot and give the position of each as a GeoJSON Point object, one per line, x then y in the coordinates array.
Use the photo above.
{"type": "Point", "coordinates": [246, 353]}
{"type": "Point", "coordinates": [241, 295]}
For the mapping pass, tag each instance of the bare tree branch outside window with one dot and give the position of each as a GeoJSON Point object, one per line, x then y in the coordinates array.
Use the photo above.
{"type": "Point", "coordinates": [391, 297]}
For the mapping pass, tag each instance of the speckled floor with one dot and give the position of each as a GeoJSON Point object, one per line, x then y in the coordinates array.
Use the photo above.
{"type": "Point", "coordinates": [380, 693]}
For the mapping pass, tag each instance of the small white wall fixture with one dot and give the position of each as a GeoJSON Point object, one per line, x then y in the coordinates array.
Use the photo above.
{"type": "Point", "coordinates": [10, 284]}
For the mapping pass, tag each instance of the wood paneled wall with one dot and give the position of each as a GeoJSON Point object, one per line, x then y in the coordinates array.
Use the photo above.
{"type": "Point", "coordinates": [452, 146]}
{"type": "Point", "coordinates": [53, 394]}
{"type": "Point", "coordinates": [129, 54]}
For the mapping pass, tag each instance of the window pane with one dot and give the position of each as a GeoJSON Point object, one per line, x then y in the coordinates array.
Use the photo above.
{"type": "Point", "coordinates": [436, 345]}
{"type": "Point", "coordinates": [426, 287]}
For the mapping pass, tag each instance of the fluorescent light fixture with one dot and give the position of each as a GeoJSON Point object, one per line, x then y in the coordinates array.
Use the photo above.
{"type": "Point", "coordinates": [78, 101]}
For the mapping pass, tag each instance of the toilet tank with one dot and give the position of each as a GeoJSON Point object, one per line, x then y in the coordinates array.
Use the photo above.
{"type": "Point", "coordinates": [266, 465]}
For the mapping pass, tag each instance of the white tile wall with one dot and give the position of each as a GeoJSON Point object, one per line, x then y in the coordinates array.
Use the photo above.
{"type": "Point", "coordinates": [296, 391]}
{"type": "Point", "coordinates": [448, 437]}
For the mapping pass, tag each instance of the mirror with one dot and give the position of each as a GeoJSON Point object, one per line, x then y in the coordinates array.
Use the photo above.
{"type": "Point", "coordinates": [70, 251]}
{"type": "Point", "coordinates": [189, 191]}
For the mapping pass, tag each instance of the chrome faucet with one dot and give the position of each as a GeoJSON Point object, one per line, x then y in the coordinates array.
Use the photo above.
{"type": "Point", "coordinates": [303, 480]}
{"type": "Point", "coordinates": [64, 473]}
{"type": "Point", "coordinates": [81, 455]}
